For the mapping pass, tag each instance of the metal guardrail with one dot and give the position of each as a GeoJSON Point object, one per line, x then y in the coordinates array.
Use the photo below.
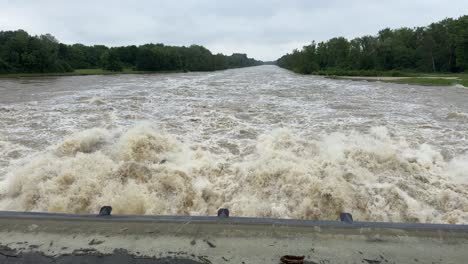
{"type": "Point", "coordinates": [94, 238]}
{"type": "Point", "coordinates": [223, 217]}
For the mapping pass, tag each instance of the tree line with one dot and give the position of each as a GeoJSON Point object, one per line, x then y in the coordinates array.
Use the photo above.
{"type": "Point", "coordinates": [439, 47]}
{"type": "Point", "coordinates": [24, 53]}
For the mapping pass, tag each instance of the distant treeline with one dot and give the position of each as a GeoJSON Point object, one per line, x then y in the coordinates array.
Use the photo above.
{"type": "Point", "coordinates": [439, 47]}
{"type": "Point", "coordinates": [23, 53]}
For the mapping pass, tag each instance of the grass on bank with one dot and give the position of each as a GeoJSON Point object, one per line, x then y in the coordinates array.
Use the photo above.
{"type": "Point", "coordinates": [427, 81]}
{"type": "Point", "coordinates": [403, 77]}
{"type": "Point", "coordinates": [464, 82]}
{"type": "Point", "coordinates": [365, 73]}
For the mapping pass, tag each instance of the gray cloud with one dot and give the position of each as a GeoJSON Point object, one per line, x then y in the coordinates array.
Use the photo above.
{"type": "Point", "coordinates": [263, 29]}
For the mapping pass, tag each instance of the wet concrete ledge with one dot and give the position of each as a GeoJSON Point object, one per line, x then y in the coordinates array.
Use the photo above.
{"type": "Point", "coordinates": [10, 256]}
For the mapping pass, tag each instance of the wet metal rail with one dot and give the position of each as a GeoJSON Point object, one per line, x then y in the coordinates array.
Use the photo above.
{"type": "Point", "coordinates": [69, 238]}
{"type": "Point", "coordinates": [233, 220]}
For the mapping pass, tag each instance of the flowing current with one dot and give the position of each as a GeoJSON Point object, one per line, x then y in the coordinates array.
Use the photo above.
{"type": "Point", "coordinates": [260, 141]}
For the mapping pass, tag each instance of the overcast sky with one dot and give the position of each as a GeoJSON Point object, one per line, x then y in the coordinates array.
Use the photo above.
{"type": "Point", "coordinates": [264, 29]}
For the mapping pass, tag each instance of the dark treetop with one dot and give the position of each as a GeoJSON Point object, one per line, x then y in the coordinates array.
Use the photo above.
{"type": "Point", "coordinates": [23, 53]}
{"type": "Point", "coordinates": [439, 47]}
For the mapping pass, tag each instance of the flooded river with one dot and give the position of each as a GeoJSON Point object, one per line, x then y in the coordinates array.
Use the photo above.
{"type": "Point", "coordinates": [260, 141]}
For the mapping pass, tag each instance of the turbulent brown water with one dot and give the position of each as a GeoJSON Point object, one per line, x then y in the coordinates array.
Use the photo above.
{"type": "Point", "coordinates": [260, 141]}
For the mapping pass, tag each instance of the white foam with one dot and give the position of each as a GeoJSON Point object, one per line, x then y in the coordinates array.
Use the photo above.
{"type": "Point", "coordinates": [372, 175]}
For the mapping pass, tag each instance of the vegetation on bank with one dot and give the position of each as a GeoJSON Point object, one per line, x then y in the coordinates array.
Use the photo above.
{"type": "Point", "coordinates": [431, 81]}
{"type": "Point", "coordinates": [441, 47]}
{"type": "Point", "coordinates": [427, 81]}
{"type": "Point", "coordinates": [464, 82]}
{"type": "Point", "coordinates": [367, 73]}
{"type": "Point", "coordinates": [422, 79]}
{"type": "Point", "coordinates": [80, 72]}
{"type": "Point", "coordinates": [21, 53]}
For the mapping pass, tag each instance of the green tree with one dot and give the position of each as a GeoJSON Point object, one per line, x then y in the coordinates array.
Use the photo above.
{"type": "Point", "coordinates": [20, 52]}
{"type": "Point", "coordinates": [439, 47]}
{"type": "Point", "coordinates": [110, 61]}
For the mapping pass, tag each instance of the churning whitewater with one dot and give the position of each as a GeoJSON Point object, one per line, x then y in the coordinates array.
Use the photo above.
{"type": "Point", "coordinates": [260, 141]}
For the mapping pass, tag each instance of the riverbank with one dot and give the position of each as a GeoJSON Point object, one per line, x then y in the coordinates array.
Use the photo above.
{"type": "Point", "coordinates": [84, 72]}
{"type": "Point", "coordinates": [80, 72]}
{"type": "Point", "coordinates": [428, 80]}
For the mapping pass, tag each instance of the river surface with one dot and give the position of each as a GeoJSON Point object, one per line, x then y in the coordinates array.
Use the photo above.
{"type": "Point", "coordinates": [260, 141]}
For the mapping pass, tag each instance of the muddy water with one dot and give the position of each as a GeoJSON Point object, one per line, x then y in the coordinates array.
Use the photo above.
{"type": "Point", "coordinates": [261, 141]}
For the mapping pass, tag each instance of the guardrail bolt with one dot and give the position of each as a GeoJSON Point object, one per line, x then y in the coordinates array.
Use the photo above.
{"type": "Point", "coordinates": [105, 210]}
{"type": "Point", "coordinates": [289, 259]}
{"type": "Point", "coordinates": [223, 213]}
{"type": "Point", "coordinates": [346, 217]}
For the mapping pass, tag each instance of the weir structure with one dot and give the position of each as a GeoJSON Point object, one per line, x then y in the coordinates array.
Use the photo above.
{"type": "Point", "coordinates": [29, 237]}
